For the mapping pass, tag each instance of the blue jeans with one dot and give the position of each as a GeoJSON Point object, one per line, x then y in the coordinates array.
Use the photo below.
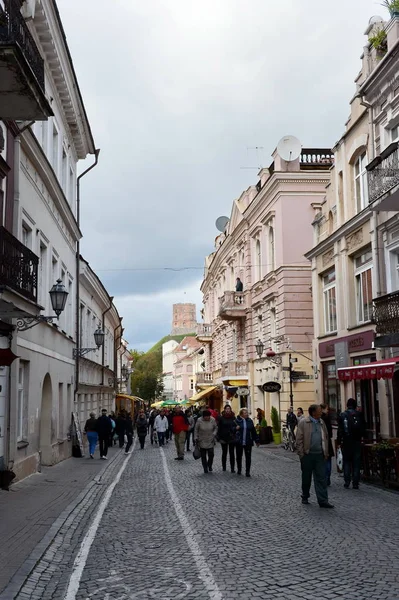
{"type": "Point", "coordinates": [92, 437]}
{"type": "Point", "coordinates": [161, 438]}
{"type": "Point", "coordinates": [328, 469]}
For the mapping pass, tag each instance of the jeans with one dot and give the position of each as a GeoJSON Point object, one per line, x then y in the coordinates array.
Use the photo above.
{"type": "Point", "coordinates": [352, 454]}
{"type": "Point", "coordinates": [328, 470]}
{"type": "Point", "coordinates": [180, 440]}
{"type": "Point", "coordinates": [161, 438]}
{"type": "Point", "coordinates": [121, 438]}
{"type": "Point", "coordinates": [152, 433]}
{"type": "Point", "coordinates": [129, 442]}
{"type": "Point", "coordinates": [104, 439]}
{"type": "Point", "coordinates": [314, 464]}
{"type": "Point", "coordinates": [207, 455]}
{"type": "Point", "coordinates": [92, 437]}
{"type": "Point", "coordinates": [230, 448]}
{"type": "Point", "coordinates": [190, 434]}
{"type": "Point", "coordinates": [240, 451]}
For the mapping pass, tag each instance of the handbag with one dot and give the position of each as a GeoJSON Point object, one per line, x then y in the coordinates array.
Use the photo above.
{"type": "Point", "coordinates": [196, 452]}
{"type": "Point", "coordinates": [340, 461]}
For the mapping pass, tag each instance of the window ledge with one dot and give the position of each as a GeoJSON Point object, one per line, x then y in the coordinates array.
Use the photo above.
{"type": "Point", "coordinates": [327, 335]}
{"type": "Point", "coordinates": [352, 327]}
{"type": "Point", "coordinates": [22, 444]}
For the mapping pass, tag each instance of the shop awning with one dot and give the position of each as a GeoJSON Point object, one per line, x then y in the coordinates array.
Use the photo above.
{"type": "Point", "coordinates": [202, 394]}
{"type": "Point", "coordinates": [381, 369]}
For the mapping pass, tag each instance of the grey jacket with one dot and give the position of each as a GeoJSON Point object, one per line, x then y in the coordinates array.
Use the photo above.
{"type": "Point", "coordinates": [304, 434]}
{"type": "Point", "coordinates": [205, 433]}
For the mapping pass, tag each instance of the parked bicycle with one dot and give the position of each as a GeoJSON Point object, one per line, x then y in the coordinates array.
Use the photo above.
{"type": "Point", "coordinates": [288, 439]}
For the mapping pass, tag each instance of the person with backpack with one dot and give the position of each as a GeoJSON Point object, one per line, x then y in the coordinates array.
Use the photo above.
{"type": "Point", "coordinates": [351, 430]}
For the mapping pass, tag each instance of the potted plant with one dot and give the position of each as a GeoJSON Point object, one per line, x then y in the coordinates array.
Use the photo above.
{"type": "Point", "coordinates": [384, 449]}
{"type": "Point", "coordinates": [275, 418]}
{"type": "Point", "coordinates": [379, 42]}
{"type": "Point", "coordinates": [392, 6]}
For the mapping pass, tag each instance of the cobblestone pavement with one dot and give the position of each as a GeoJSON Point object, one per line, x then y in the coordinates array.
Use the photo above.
{"type": "Point", "coordinates": [172, 533]}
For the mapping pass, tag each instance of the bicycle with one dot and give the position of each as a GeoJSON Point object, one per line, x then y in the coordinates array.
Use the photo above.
{"type": "Point", "coordinates": [288, 439]}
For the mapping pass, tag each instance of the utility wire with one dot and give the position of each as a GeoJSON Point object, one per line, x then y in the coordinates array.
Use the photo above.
{"type": "Point", "coordinates": [177, 269]}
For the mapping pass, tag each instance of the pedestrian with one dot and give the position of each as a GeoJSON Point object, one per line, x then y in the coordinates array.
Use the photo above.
{"type": "Point", "coordinates": [312, 448]}
{"type": "Point", "coordinates": [246, 437]}
{"type": "Point", "coordinates": [180, 428]}
{"type": "Point", "coordinates": [141, 427]}
{"type": "Point", "coordinates": [91, 432]}
{"type": "Point", "coordinates": [169, 435]}
{"type": "Point", "coordinates": [161, 425]}
{"type": "Point", "coordinates": [104, 429]}
{"type": "Point", "coordinates": [351, 430]}
{"type": "Point", "coordinates": [113, 424]}
{"type": "Point", "coordinates": [299, 414]}
{"type": "Point", "coordinates": [327, 421]}
{"type": "Point", "coordinates": [151, 422]}
{"type": "Point", "coordinates": [291, 420]}
{"type": "Point", "coordinates": [128, 431]}
{"type": "Point", "coordinates": [120, 427]}
{"type": "Point", "coordinates": [239, 285]}
{"type": "Point", "coordinates": [227, 428]}
{"type": "Point", "coordinates": [190, 431]}
{"type": "Point", "coordinates": [205, 437]}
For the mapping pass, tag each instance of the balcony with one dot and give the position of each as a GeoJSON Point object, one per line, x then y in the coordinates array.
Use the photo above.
{"type": "Point", "coordinates": [319, 159]}
{"type": "Point", "coordinates": [383, 179]}
{"type": "Point", "coordinates": [233, 306]}
{"type": "Point", "coordinates": [235, 369]}
{"type": "Point", "coordinates": [204, 333]}
{"type": "Point", "coordinates": [204, 378]}
{"type": "Point", "coordinates": [386, 319]}
{"type": "Point", "coordinates": [18, 266]}
{"type": "Point", "coordinates": [22, 96]}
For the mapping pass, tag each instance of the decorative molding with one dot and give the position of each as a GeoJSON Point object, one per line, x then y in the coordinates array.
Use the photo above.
{"type": "Point", "coordinates": [328, 257]}
{"type": "Point", "coordinates": [355, 239]}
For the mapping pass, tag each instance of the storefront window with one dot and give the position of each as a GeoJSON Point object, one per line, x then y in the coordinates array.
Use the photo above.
{"type": "Point", "coordinates": [331, 390]}
{"type": "Point", "coordinates": [367, 399]}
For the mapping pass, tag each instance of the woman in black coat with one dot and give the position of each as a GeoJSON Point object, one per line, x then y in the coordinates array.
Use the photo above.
{"type": "Point", "coordinates": [227, 428]}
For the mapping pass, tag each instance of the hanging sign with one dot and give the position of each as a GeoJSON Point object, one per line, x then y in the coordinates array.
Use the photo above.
{"type": "Point", "coordinates": [271, 386]}
{"type": "Point", "coordinates": [243, 392]}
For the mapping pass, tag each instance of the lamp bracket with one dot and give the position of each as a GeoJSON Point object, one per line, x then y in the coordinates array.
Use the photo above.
{"type": "Point", "coordinates": [23, 324]}
{"type": "Point", "coordinates": [79, 352]}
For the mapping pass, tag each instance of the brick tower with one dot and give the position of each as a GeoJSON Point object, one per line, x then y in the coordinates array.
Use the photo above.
{"type": "Point", "coordinates": [184, 319]}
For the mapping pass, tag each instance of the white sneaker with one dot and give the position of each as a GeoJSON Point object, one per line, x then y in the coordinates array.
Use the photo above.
{"type": "Point", "coordinates": [104, 457]}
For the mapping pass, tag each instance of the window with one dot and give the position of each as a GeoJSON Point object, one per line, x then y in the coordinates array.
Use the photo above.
{"type": "Point", "coordinates": [273, 328]}
{"type": "Point", "coordinates": [21, 408]}
{"type": "Point", "coordinates": [271, 256]}
{"type": "Point", "coordinates": [258, 261]}
{"type": "Point", "coordinates": [61, 411]}
{"type": "Point", "coordinates": [329, 301]}
{"type": "Point", "coordinates": [395, 134]}
{"type": "Point", "coordinates": [55, 149]}
{"type": "Point", "coordinates": [331, 390]}
{"type": "Point", "coordinates": [363, 282]}
{"type": "Point", "coordinates": [54, 270]}
{"type": "Point", "coordinates": [191, 384]}
{"type": "Point", "coordinates": [361, 190]}
{"type": "Point", "coordinates": [234, 346]}
{"type": "Point", "coordinates": [71, 191]}
{"type": "Point", "coordinates": [43, 285]}
{"type": "Point", "coordinates": [26, 236]}
{"type": "Point", "coordinates": [64, 173]}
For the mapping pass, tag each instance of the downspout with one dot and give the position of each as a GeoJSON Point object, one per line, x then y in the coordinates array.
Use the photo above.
{"type": "Point", "coordinates": [77, 299]}
{"type": "Point", "coordinates": [111, 299]}
{"type": "Point", "coordinates": [117, 339]}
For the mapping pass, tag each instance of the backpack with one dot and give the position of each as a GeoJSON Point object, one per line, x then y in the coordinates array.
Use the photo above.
{"type": "Point", "coordinates": [353, 425]}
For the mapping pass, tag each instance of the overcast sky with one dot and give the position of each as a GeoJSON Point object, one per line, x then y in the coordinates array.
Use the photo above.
{"type": "Point", "coordinates": [176, 91]}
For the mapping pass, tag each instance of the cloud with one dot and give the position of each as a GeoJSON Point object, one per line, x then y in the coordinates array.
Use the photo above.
{"type": "Point", "coordinates": [176, 91]}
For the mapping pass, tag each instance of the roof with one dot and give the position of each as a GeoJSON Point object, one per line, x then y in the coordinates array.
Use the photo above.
{"type": "Point", "coordinates": [189, 341]}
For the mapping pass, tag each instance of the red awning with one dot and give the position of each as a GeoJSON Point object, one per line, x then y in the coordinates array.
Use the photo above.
{"type": "Point", "coordinates": [381, 369]}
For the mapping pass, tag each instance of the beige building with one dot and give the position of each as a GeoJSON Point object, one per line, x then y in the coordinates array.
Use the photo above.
{"type": "Point", "coordinates": [264, 245]}
{"type": "Point", "coordinates": [356, 245]}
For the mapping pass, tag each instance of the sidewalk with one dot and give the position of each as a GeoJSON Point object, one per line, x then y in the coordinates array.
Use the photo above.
{"type": "Point", "coordinates": [30, 508]}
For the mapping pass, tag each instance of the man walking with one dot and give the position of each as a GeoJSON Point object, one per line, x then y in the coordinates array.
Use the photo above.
{"type": "Point", "coordinates": [180, 428]}
{"type": "Point", "coordinates": [161, 426]}
{"type": "Point", "coordinates": [351, 430]}
{"type": "Point", "coordinates": [129, 433]}
{"type": "Point", "coordinates": [291, 420]}
{"type": "Point", "coordinates": [104, 429]}
{"type": "Point", "coordinates": [120, 428]}
{"type": "Point", "coordinates": [312, 447]}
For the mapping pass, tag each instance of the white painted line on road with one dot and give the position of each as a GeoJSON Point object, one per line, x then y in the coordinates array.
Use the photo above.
{"type": "Point", "coordinates": [204, 571]}
{"type": "Point", "coordinates": [81, 558]}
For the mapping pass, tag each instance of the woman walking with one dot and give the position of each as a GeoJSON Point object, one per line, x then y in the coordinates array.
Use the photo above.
{"type": "Point", "coordinates": [91, 432]}
{"type": "Point", "coordinates": [190, 431]}
{"type": "Point", "coordinates": [141, 427]}
{"type": "Point", "coordinates": [204, 436]}
{"type": "Point", "coordinates": [246, 438]}
{"type": "Point", "coordinates": [227, 427]}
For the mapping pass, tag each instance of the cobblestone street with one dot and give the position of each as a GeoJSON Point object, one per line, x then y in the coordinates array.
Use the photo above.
{"type": "Point", "coordinates": [171, 532]}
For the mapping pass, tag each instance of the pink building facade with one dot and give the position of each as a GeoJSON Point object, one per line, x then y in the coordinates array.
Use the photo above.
{"type": "Point", "coordinates": [269, 231]}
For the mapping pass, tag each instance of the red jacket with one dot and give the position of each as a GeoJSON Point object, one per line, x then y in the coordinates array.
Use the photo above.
{"type": "Point", "coordinates": [180, 423]}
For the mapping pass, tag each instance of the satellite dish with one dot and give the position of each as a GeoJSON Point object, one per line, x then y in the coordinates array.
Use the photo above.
{"type": "Point", "coordinates": [221, 223]}
{"type": "Point", "coordinates": [289, 148]}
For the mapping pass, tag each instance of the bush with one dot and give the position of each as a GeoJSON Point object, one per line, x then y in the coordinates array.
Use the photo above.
{"type": "Point", "coordinates": [275, 417]}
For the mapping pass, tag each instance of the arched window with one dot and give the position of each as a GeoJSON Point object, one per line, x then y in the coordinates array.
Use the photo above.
{"type": "Point", "coordinates": [360, 181]}
{"type": "Point", "coordinates": [258, 259]}
{"type": "Point", "coordinates": [271, 249]}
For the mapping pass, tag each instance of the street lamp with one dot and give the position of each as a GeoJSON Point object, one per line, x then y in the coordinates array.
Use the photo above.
{"type": "Point", "coordinates": [259, 347]}
{"type": "Point", "coordinates": [124, 372]}
{"type": "Point", "coordinates": [99, 336]}
{"type": "Point", "coordinates": [58, 297]}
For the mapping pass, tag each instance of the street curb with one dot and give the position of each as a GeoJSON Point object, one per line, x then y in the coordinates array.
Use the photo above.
{"type": "Point", "coordinates": [20, 576]}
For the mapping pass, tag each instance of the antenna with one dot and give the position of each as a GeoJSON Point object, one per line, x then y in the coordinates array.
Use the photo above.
{"type": "Point", "coordinates": [256, 148]}
{"type": "Point", "coordinates": [221, 223]}
{"type": "Point", "coordinates": [289, 148]}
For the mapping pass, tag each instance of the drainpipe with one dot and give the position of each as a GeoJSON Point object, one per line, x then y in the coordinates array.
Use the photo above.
{"type": "Point", "coordinates": [111, 299]}
{"type": "Point", "coordinates": [77, 309]}
{"type": "Point", "coordinates": [117, 339]}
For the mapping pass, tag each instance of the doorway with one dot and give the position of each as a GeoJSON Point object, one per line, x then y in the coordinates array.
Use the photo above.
{"type": "Point", "coordinates": [395, 388]}
{"type": "Point", "coordinates": [46, 425]}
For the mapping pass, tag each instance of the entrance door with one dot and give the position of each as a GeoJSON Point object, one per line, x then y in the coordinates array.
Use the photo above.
{"type": "Point", "coordinates": [395, 387]}
{"type": "Point", "coordinates": [46, 426]}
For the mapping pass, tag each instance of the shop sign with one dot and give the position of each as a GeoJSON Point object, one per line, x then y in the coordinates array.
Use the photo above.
{"type": "Point", "coordinates": [243, 392]}
{"type": "Point", "coordinates": [356, 343]}
{"type": "Point", "coordinates": [271, 386]}
{"type": "Point", "coordinates": [341, 355]}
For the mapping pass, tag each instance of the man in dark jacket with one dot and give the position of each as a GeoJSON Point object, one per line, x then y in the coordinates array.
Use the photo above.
{"type": "Point", "coordinates": [104, 428]}
{"type": "Point", "coordinates": [351, 430]}
{"type": "Point", "coordinates": [129, 432]}
{"type": "Point", "coordinates": [326, 418]}
{"type": "Point", "coordinates": [239, 285]}
{"type": "Point", "coordinates": [120, 426]}
{"type": "Point", "coordinates": [291, 420]}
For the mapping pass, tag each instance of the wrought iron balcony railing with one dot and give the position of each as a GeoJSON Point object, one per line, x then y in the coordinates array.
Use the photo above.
{"type": "Point", "coordinates": [383, 172]}
{"type": "Point", "coordinates": [386, 314]}
{"type": "Point", "coordinates": [13, 30]}
{"type": "Point", "coordinates": [18, 266]}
